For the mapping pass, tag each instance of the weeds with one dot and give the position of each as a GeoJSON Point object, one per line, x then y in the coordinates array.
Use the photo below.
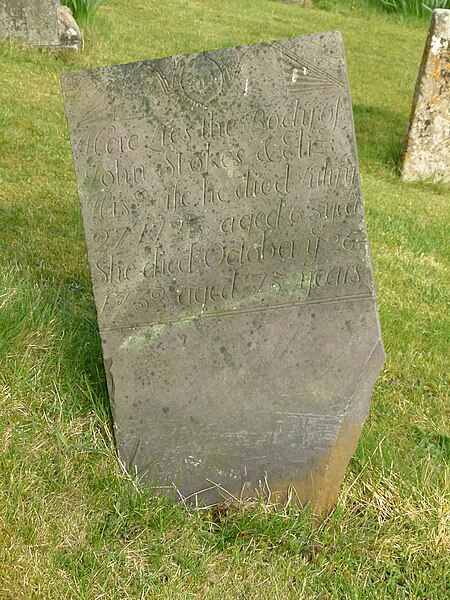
{"type": "Point", "coordinates": [414, 8]}
{"type": "Point", "coordinates": [83, 10]}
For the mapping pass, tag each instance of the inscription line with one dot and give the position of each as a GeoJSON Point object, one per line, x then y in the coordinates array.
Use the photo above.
{"type": "Point", "coordinates": [240, 311]}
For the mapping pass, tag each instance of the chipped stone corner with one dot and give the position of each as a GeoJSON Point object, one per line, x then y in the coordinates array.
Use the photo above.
{"type": "Point", "coordinates": [317, 490]}
{"type": "Point", "coordinates": [331, 468]}
{"type": "Point", "coordinates": [426, 150]}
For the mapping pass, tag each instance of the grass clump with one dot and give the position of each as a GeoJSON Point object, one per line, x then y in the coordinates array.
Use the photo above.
{"type": "Point", "coordinates": [83, 10]}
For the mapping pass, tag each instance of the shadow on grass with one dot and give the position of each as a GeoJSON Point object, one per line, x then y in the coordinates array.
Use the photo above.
{"type": "Point", "coordinates": [50, 340]}
{"type": "Point", "coordinates": [379, 134]}
{"type": "Point", "coordinates": [81, 354]}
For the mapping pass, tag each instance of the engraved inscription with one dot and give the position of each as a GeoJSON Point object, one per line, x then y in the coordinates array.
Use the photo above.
{"type": "Point", "coordinates": [217, 212]}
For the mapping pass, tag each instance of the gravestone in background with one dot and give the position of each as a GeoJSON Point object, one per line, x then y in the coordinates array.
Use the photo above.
{"type": "Point", "coordinates": [39, 22]}
{"type": "Point", "coordinates": [230, 263]}
{"type": "Point", "coordinates": [427, 146]}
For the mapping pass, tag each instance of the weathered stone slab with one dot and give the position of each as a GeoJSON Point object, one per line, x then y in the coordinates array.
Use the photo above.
{"type": "Point", "coordinates": [39, 22]}
{"type": "Point", "coordinates": [427, 145]}
{"type": "Point", "coordinates": [230, 263]}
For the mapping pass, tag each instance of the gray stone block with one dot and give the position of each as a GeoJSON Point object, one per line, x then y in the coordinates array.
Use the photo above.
{"type": "Point", "coordinates": [40, 23]}
{"type": "Point", "coordinates": [230, 264]}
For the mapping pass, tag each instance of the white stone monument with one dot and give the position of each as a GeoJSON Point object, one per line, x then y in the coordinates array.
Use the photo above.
{"type": "Point", "coordinates": [426, 153]}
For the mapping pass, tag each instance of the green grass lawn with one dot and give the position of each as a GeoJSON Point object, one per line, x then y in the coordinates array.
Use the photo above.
{"type": "Point", "coordinates": [71, 524]}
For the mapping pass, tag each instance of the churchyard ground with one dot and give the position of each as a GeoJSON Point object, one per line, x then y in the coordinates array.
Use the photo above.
{"type": "Point", "coordinates": [72, 525]}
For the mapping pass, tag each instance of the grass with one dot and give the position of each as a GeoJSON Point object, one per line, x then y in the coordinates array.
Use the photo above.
{"type": "Point", "coordinates": [415, 8]}
{"type": "Point", "coordinates": [71, 524]}
{"type": "Point", "coordinates": [83, 10]}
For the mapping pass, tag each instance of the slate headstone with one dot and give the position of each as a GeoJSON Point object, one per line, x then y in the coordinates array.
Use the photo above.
{"type": "Point", "coordinates": [39, 22]}
{"type": "Point", "coordinates": [427, 146]}
{"type": "Point", "coordinates": [230, 264]}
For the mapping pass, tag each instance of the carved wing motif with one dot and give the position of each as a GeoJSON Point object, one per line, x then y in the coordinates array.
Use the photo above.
{"type": "Point", "coordinates": [301, 75]}
{"type": "Point", "coordinates": [86, 103]}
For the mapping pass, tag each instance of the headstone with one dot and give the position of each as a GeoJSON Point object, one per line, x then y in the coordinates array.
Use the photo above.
{"type": "Point", "coordinates": [39, 22]}
{"type": "Point", "coordinates": [230, 264]}
{"type": "Point", "coordinates": [427, 146]}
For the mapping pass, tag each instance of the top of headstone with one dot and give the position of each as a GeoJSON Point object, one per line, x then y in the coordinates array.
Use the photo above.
{"type": "Point", "coordinates": [199, 88]}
